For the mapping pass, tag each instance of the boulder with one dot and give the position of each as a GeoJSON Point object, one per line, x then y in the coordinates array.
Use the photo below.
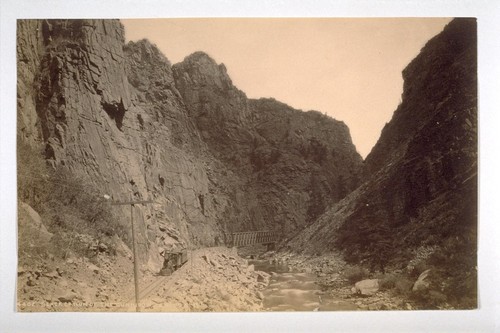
{"type": "Point", "coordinates": [155, 259]}
{"type": "Point", "coordinates": [30, 282]}
{"type": "Point", "coordinates": [93, 268]}
{"type": "Point", "coordinates": [102, 247]}
{"type": "Point", "coordinates": [122, 248]}
{"type": "Point", "coordinates": [30, 219]}
{"type": "Point", "coordinates": [422, 282]}
{"type": "Point", "coordinates": [206, 258]}
{"type": "Point", "coordinates": [366, 287]}
{"type": "Point", "coordinates": [52, 275]}
{"type": "Point", "coordinates": [262, 277]}
{"type": "Point", "coordinates": [21, 270]}
{"type": "Point", "coordinates": [66, 296]}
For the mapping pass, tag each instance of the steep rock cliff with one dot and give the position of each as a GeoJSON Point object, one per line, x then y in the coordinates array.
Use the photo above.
{"type": "Point", "coordinates": [30, 45]}
{"type": "Point", "coordinates": [441, 77]}
{"type": "Point", "coordinates": [123, 119]}
{"type": "Point", "coordinates": [420, 188]}
{"type": "Point", "coordinates": [290, 164]}
{"type": "Point", "coordinates": [100, 127]}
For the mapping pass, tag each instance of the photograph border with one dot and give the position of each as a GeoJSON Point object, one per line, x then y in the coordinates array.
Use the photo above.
{"type": "Point", "coordinates": [485, 319]}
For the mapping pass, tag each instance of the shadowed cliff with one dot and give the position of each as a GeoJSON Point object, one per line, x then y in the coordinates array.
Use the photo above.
{"type": "Point", "coordinates": [418, 202]}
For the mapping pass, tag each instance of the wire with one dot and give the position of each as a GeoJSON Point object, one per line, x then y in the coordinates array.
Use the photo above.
{"type": "Point", "coordinates": [69, 184]}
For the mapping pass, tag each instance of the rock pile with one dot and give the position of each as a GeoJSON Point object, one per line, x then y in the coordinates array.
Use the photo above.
{"type": "Point", "coordinates": [76, 285]}
{"type": "Point", "coordinates": [214, 279]}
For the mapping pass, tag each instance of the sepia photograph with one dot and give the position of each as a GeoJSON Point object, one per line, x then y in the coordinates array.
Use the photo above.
{"type": "Point", "coordinates": [247, 164]}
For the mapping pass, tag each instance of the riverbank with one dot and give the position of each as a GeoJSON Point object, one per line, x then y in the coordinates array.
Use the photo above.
{"type": "Point", "coordinates": [332, 274]}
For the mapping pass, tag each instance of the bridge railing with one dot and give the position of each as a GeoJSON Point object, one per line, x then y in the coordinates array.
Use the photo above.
{"type": "Point", "coordinates": [254, 237]}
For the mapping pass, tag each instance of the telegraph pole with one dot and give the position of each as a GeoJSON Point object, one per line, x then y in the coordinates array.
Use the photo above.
{"type": "Point", "coordinates": [134, 244]}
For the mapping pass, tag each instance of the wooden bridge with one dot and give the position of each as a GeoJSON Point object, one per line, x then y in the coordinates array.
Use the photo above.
{"type": "Point", "coordinates": [268, 238]}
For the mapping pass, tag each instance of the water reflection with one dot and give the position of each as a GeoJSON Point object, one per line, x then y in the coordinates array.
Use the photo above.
{"type": "Point", "coordinates": [294, 291]}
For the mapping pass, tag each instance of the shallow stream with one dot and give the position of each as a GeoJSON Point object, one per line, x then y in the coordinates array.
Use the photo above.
{"type": "Point", "coordinates": [294, 291]}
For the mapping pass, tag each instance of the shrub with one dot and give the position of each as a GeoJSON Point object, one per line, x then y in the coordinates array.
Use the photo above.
{"type": "Point", "coordinates": [428, 298]}
{"type": "Point", "coordinates": [387, 281]}
{"type": "Point", "coordinates": [65, 243]}
{"type": "Point", "coordinates": [371, 239]}
{"type": "Point", "coordinates": [454, 264]}
{"type": "Point", "coordinates": [355, 274]}
{"type": "Point", "coordinates": [418, 269]}
{"type": "Point", "coordinates": [403, 286]}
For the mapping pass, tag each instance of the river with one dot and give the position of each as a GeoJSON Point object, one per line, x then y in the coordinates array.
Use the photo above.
{"type": "Point", "coordinates": [296, 291]}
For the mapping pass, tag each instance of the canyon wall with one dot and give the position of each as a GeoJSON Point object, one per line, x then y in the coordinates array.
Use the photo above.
{"type": "Point", "coordinates": [419, 192]}
{"type": "Point", "coordinates": [123, 119]}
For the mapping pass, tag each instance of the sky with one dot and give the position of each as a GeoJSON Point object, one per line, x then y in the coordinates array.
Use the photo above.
{"type": "Point", "coordinates": [348, 68]}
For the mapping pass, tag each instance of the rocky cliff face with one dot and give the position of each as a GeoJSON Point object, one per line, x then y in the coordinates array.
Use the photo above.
{"type": "Point", "coordinates": [136, 127]}
{"type": "Point", "coordinates": [290, 164]}
{"type": "Point", "coordinates": [28, 61]}
{"type": "Point", "coordinates": [84, 107]}
{"type": "Point", "coordinates": [420, 190]}
{"type": "Point", "coordinates": [443, 76]}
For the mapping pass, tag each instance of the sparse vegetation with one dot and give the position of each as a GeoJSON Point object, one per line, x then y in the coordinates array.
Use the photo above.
{"type": "Point", "coordinates": [454, 274]}
{"type": "Point", "coordinates": [69, 207]}
{"type": "Point", "coordinates": [32, 175]}
{"type": "Point", "coordinates": [402, 286]}
{"type": "Point", "coordinates": [355, 274]}
{"type": "Point", "coordinates": [370, 240]}
{"type": "Point", "coordinates": [78, 206]}
{"type": "Point", "coordinates": [444, 229]}
{"type": "Point", "coordinates": [387, 281]}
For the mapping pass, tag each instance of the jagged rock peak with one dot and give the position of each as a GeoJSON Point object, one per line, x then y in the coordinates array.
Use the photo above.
{"type": "Point", "coordinates": [199, 57]}
{"type": "Point", "coordinates": [147, 67]}
{"type": "Point", "coordinates": [322, 120]}
{"type": "Point", "coordinates": [146, 50]}
{"type": "Point", "coordinates": [199, 69]}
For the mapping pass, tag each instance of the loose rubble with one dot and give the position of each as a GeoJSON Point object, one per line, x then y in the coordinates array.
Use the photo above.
{"type": "Point", "coordinates": [76, 284]}
{"type": "Point", "coordinates": [213, 279]}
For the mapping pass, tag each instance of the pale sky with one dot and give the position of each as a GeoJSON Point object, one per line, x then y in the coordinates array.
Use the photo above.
{"type": "Point", "coordinates": [349, 68]}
